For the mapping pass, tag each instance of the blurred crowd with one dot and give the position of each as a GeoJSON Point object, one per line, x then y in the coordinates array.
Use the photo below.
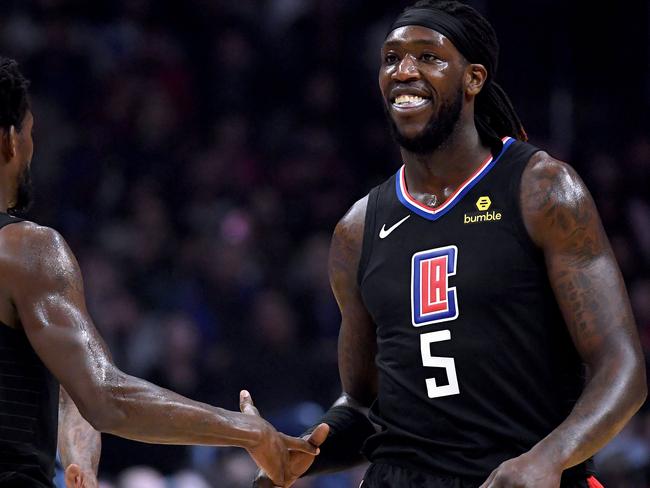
{"type": "Point", "coordinates": [196, 156]}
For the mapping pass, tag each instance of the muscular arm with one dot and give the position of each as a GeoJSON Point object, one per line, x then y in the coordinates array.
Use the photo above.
{"type": "Point", "coordinates": [44, 283]}
{"type": "Point", "coordinates": [349, 426]}
{"type": "Point", "coordinates": [563, 221]}
{"type": "Point", "coordinates": [79, 443]}
{"type": "Point", "coordinates": [357, 336]}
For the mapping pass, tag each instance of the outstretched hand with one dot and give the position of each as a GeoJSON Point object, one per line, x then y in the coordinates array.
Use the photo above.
{"type": "Point", "coordinates": [275, 451]}
{"type": "Point", "coordinates": [75, 477]}
{"type": "Point", "coordinates": [298, 463]}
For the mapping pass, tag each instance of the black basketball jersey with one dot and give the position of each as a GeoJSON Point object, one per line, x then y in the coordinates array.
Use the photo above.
{"type": "Point", "coordinates": [475, 361]}
{"type": "Point", "coordinates": [29, 398]}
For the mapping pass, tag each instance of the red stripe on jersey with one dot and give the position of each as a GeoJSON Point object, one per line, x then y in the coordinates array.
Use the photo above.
{"type": "Point", "coordinates": [594, 483]}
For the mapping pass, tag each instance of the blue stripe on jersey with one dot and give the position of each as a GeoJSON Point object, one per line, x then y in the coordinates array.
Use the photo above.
{"type": "Point", "coordinates": [435, 214]}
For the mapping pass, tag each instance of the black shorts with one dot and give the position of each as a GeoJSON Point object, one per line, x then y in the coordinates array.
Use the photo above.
{"type": "Point", "coordinates": [380, 475]}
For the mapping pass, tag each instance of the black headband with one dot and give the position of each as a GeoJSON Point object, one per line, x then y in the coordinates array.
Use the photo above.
{"type": "Point", "coordinates": [450, 27]}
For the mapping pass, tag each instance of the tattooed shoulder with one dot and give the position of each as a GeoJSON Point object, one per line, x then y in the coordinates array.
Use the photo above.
{"type": "Point", "coordinates": [345, 249]}
{"type": "Point", "coordinates": [557, 208]}
{"type": "Point", "coordinates": [34, 253]}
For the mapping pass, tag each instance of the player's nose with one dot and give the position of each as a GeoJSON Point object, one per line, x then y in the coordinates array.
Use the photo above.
{"type": "Point", "coordinates": [407, 69]}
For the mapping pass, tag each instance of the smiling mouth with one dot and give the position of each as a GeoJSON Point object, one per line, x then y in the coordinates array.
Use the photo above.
{"type": "Point", "coordinates": [409, 101]}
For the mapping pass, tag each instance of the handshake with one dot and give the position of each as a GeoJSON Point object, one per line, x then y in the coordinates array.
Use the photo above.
{"type": "Point", "coordinates": [282, 459]}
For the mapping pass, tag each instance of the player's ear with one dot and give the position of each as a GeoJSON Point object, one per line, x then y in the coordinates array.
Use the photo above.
{"type": "Point", "coordinates": [475, 76]}
{"type": "Point", "coordinates": [8, 141]}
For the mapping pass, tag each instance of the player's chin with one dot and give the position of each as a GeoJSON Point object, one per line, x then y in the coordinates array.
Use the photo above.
{"type": "Point", "coordinates": [410, 125]}
{"type": "Point", "coordinates": [411, 131]}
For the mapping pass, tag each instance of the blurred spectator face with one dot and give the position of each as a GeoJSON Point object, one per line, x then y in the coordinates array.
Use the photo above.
{"type": "Point", "coordinates": [311, 266]}
{"type": "Point", "coordinates": [141, 477]}
{"type": "Point", "coordinates": [274, 319]}
{"type": "Point", "coordinates": [156, 118]}
{"type": "Point", "coordinates": [237, 469]}
{"type": "Point", "coordinates": [188, 479]}
{"type": "Point", "coordinates": [182, 338]}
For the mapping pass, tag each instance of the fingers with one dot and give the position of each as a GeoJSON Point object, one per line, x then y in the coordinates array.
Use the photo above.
{"type": "Point", "coordinates": [246, 404]}
{"type": "Point", "coordinates": [318, 435]}
{"type": "Point", "coordinates": [297, 444]}
{"type": "Point", "coordinates": [488, 482]}
{"type": "Point", "coordinates": [73, 476]}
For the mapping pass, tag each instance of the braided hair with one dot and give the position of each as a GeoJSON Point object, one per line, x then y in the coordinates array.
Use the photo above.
{"type": "Point", "coordinates": [14, 101]}
{"type": "Point", "coordinates": [494, 115]}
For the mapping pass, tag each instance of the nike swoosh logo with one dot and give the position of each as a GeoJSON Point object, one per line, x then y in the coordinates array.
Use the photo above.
{"type": "Point", "coordinates": [384, 232]}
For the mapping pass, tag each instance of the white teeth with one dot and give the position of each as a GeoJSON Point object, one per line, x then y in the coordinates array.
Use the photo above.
{"type": "Point", "coordinates": [409, 100]}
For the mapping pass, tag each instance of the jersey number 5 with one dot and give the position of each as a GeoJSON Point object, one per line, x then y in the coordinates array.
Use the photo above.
{"type": "Point", "coordinates": [433, 390]}
{"type": "Point", "coordinates": [433, 301]}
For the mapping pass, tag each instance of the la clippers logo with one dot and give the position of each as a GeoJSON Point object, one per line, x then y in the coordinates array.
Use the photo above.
{"type": "Point", "coordinates": [432, 300]}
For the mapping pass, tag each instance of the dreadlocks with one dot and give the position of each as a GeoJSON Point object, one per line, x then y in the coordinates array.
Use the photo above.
{"type": "Point", "coordinates": [14, 102]}
{"type": "Point", "coordinates": [475, 39]}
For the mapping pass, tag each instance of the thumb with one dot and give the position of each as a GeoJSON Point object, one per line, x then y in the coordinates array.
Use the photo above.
{"type": "Point", "coordinates": [318, 435]}
{"type": "Point", "coordinates": [246, 403]}
{"type": "Point", "coordinates": [73, 476]}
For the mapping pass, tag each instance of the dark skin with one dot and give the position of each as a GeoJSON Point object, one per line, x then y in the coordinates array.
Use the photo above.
{"type": "Point", "coordinates": [41, 291]}
{"type": "Point", "coordinates": [563, 222]}
{"type": "Point", "coordinates": [79, 445]}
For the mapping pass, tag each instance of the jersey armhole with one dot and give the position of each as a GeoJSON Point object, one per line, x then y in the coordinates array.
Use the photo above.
{"type": "Point", "coordinates": [368, 233]}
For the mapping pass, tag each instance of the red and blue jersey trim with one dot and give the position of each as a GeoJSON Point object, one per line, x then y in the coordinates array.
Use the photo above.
{"type": "Point", "coordinates": [435, 213]}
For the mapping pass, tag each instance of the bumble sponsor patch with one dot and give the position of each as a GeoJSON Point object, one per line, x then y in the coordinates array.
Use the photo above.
{"type": "Point", "coordinates": [484, 214]}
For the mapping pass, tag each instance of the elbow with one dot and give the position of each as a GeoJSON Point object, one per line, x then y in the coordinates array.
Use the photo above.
{"type": "Point", "coordinates": [104, 411]}
{"type": "Point", "coordinates": [102, 419]}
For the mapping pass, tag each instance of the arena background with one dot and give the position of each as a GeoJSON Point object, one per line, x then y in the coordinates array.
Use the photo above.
{"type": "Point", "coordinates": [196, 155]}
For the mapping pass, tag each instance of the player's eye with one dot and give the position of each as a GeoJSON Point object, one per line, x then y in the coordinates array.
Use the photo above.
{"type": "Point", "coordinates": [390, 58]}
{"type": "Point", "coordinates": [429, 58]}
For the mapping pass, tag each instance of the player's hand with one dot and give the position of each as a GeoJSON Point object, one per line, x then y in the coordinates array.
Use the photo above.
{"type": "Point", "coordinates": [273, 451]}
{"type": "Point", "coordinates": [299, 462]}
{"type": "Point", "coordinates": [526, 471]}
{"type": "Point", "coordinates": [75, 477]}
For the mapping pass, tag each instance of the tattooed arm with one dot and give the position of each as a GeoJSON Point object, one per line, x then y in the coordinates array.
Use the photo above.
{"type": "Point", "coordinates": [562, 220]}
{"type": "Point", "coordinates": [357, 337]}
{"type": "Point", "coordinates": [79, 445]}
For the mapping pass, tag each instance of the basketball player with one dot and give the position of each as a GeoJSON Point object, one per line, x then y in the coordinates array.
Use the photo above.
{"type": "Point", "coordinates": [475, 285]}
{"type": "Point", "coordinates": [47, 337]}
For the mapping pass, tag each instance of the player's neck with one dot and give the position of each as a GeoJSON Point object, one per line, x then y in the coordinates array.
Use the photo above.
{"type": "Point", "coordinates": [444, 169]}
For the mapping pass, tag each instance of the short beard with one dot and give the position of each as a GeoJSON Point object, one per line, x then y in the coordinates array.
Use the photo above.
{"type": "Point", "coordinates": [24, 193]}
{"type": "Point", "coordinates": [438, 129]}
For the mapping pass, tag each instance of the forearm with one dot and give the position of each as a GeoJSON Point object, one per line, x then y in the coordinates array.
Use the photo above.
{"type": "Point", "coordinates": [611, 397]}
{"type": "Point", "coordinates": [139, 410]}
{"type": "Point", "coordinates": [79, 443]}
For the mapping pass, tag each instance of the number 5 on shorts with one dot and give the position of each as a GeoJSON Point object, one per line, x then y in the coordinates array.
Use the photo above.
{"type": "Point", "coordinates": [433, 390]}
